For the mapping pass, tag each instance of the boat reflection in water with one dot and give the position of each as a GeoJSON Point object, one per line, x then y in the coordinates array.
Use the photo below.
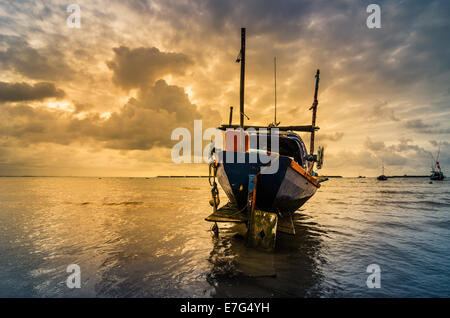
{"type": "Point", "coordinates": [293, 271]}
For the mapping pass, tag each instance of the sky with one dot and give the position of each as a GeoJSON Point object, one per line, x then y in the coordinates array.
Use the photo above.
{"type": "Point", "coordinates": [104, 98]}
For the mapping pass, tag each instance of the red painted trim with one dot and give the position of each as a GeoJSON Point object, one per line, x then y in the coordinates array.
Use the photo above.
{"type": "Point", "coordinates": [302, 171]}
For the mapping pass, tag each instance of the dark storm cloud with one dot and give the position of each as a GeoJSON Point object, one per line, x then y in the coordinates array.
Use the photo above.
{"type": "Point", "coordinates": [419, 126]}
{"type": "Point", "coordinates": [44, 63]}
{"type": "Point", "coordinates": [443, 144]}
{"type": "Point", "coordinates": [142, 66]}
{"type": "Point", "coordinates": [411, 47]}
{"type": "Point", "coordinates": [14, 92]}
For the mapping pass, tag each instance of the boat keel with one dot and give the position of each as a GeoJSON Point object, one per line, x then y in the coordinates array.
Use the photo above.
{"type": "Point", "coordinates": [262, 231]}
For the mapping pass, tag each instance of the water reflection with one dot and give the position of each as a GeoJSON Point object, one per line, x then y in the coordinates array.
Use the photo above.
{"type": "Point", "coordinates": [148, 238]}
{"type": "Point", "coordinates": [292, 270]}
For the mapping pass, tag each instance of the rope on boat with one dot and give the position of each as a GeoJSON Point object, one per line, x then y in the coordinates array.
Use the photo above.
{"type": "Point", "coordinates": [215, 200]}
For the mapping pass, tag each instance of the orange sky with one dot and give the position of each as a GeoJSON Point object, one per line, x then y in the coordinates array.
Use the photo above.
{"type": "Point", "coordinates": [102, 100]}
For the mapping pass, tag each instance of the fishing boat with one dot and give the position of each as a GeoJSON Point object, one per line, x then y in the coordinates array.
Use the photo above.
{"type": "Point", "coordinates": [382, 177]}
{"type": "Point", "coordinates": [436, 172]}
{"type": "Point", "coordinates": [437, 175]}
{"type": "Point", "coordinates": [247, 183]}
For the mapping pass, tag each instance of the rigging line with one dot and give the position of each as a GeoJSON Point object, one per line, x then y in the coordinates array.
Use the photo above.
{"type": "Point", "coordinates": [275, 77]}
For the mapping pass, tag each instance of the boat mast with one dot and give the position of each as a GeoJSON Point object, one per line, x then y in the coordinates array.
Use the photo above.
{"type": "Point", "coordinates": [275, 76]}
{"type": "Point", "coordinates": [437, 159]}
{"type": "Point", "coordinates": [241, 59]}
{"type": "Point", "coordinates": [314, 114]}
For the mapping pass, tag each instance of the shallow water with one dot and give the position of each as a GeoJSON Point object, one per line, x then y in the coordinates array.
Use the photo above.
{"type": "Point", "coordinates": [137, 237]}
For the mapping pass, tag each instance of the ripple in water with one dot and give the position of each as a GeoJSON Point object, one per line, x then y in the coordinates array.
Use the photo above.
{"type": "Point", "coordinates": [148, 238]}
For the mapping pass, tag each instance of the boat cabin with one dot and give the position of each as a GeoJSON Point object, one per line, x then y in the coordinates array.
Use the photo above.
{"type": "Point", "coordinates": [290, 144]}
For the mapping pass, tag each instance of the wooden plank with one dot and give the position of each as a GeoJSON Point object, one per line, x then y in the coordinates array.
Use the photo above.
{"type": "Point", "coordinates": [227, 213]}
{"type": "Point", "coordinates": [306, 128]}
{"type": "Point", "coordinates": [216, 218]}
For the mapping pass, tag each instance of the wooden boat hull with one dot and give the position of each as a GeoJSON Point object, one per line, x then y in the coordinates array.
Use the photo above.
{"type": "Point", "coordinates": [284, 191]}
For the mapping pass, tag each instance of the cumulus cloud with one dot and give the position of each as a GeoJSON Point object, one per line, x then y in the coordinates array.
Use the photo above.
{"type": "Point", "coordinates": [14, 92]}
{"type": "Point", "coordinates": [46, 63]}
{"type": "Point", "coordinates": [142, 123]}
{"type": "Point", "coordinates": [149, 119]}
{"type": "Point", "coordinates": [142, 66]}
{"type": "Point", "coordinates": [400, 153]}
{"type": "Point", "coordinates": [336, 136]}
{"type": "Point", "coordinates": [374, 145]}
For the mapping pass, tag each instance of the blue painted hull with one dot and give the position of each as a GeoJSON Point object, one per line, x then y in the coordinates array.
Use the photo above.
{"type": "Point", "coordinates": [284, 191]}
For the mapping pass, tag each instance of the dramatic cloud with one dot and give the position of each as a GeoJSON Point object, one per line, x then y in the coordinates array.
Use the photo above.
{"type": "Point", "coordinates": [14, 92]}
{"type": "Point", "coordinates": [142, 66]}
{"type": "Point", "coordinates": [142, 123]}
{"type": "Point", "coordinates": [421, 127]}
{"type": "Point", "coordinates": [45, 63]}
{"type": "Point", "coordinates": [148, 120]}
{"type": "Point", "coordinates": [137, 69]}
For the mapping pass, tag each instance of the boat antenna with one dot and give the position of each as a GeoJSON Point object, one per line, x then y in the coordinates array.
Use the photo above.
{"type": "Point", "coordinates": [437, 158]}
{"type": "Point", "coordinates": [439, 151]}
{"type": "Point", "coordinates": [241, 59]}
{"type": "Point", "coordinates": [275, 123]}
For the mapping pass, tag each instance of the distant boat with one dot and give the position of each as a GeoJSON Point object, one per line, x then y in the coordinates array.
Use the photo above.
{"type": "Point", "coordinates": [382, 177]}
{"type": "Point", "coordinates": [361, 177]}
{"type": "Point", "coordinates": [436, 172]}
{"type": "Point", "coordinates": [437, 175]}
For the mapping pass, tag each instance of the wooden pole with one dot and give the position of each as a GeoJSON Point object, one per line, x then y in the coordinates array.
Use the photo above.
{"type": "Point", "coordinates": [314, 115]}
{"type": "Point", "coordinates": [231, 116]}
{"type": "Point", "coordinates": [241, 123]}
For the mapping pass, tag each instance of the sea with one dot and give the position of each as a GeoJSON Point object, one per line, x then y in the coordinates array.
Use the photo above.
{"type": "Point", "coordinates": [147, 237]}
